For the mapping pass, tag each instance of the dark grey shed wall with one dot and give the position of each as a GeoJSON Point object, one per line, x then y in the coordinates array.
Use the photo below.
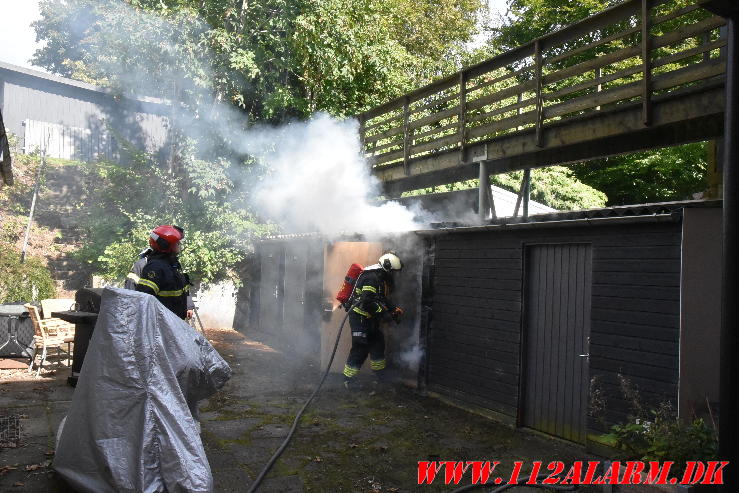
{"type": "Point", "coordinates": [474, 346]}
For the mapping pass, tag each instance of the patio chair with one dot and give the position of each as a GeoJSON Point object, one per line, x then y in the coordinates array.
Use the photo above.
{"type": "Point", "coordinates": [50, 333]}
{"type": "Point", "coordinates": [55, 305]}
{"type": "Point", "coordinates": [61, 327]}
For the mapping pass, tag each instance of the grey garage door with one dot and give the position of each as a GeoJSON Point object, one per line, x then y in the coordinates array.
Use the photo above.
{"type": "Point", "coordinates": [272, 287]}
{"type": "Point", "coordinates": [557, 326]}
{"type": "Point", "coordinates": [296, 259]}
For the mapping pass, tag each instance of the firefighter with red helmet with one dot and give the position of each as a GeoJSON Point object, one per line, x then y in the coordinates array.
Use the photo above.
{"type": "Point", "coordinates": [162, 275]}
{"type": "Point", "coordinates": [370, 304]}
{"type": "Point", "coordinates": [134, 276]}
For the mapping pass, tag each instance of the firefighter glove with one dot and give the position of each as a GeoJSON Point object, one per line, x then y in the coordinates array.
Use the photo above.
{"type": "Point", "coordinates": [397, 314]}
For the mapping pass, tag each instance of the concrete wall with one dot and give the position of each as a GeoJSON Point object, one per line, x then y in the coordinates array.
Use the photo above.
{"type": "Point", "coordinates": [700, 320]}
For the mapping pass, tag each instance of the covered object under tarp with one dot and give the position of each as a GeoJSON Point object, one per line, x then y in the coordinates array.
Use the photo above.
{"type": "Point", "coordinates": [130, 427]}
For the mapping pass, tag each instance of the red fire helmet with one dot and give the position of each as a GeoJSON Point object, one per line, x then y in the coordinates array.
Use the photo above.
{"type": "Point", "coordinates": [164, 238]}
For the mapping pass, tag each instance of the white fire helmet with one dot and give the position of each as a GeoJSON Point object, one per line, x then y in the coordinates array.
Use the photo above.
{"type": "Point", "coordinates": [390, 261]}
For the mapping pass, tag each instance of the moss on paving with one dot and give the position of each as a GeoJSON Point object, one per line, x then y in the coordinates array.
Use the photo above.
{"type": "Point", "coordinates": [364, 442]}
{"type": "Point", "coordinates": [334, 449]}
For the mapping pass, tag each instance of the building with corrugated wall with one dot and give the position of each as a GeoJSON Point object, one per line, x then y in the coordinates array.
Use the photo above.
{"type": "Point", "coordinates": [76, 120]}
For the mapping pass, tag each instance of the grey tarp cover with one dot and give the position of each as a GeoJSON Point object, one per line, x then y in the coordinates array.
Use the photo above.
{"type": "Point", "coordinates": [130, 427]}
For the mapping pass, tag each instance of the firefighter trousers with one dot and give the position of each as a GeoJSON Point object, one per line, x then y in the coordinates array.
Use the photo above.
{"type": "Point", "coordinates": [367, 339]}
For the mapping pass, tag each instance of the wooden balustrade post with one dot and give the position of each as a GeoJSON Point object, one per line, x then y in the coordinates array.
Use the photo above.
{"type": "Point", "coordinates": [406, 137]}
{"type": "Point", "coordinates": [362, 133]}
{"type": "Point", "coordinates": [646, 55]}
{"type": "Point", "coordinates": [462, 118]}
{"type": "Point", "coordinates": [539, 100]}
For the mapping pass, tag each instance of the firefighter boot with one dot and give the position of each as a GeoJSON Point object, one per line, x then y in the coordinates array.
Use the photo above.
{"type": "Point", "coordinates": [380, 382]}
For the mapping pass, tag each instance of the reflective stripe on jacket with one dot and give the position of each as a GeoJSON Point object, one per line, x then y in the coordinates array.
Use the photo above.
{"type": "Point", "coordinates": [162, 277]}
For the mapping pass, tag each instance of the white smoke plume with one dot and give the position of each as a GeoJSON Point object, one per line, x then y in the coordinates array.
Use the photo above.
{"type": "Point", "coordinates": [412, 357]}
{"type": "Point", "coordinates": [319, 181]}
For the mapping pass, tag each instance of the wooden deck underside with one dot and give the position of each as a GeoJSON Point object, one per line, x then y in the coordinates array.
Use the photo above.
{"type": "Point", "coordinates": [642, 74]}
{"type": "Point", "coordinates": [677, 119]}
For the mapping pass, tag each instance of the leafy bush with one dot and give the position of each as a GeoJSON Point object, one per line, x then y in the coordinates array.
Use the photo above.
{"type": "Point", "coordinates": [659, 434]}
{"type": "Point", "coordinates": [27, 281]}
{"type": "Point", "coordinates": [665, 437]}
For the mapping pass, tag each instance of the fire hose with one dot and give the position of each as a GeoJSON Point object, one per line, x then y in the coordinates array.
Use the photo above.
{"type": "Point", "coordinates": [290, 434]}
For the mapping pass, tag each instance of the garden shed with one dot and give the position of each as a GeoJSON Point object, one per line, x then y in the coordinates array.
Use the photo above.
{"type": "Point", "coordinates": [549, 324]}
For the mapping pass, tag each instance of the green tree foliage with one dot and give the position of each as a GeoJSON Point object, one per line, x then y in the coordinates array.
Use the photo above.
{"type": "Point", "coordinates": [673, 173]}
{"type": "Point", "coordinates": [527, 20]}
{"type": "Point", "coordinates": [353, 55]}
{"type": "Point", "coordinates": [555, 186]}
{"type": "Point", "coordinates": [129, 200]}
{"type": "Point", "coordinates": [272, 58]}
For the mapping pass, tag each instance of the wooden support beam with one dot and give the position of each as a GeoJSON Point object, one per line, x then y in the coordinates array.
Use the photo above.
{"type": "Point", "coordinates": [526, 192]}
{"type": "Point", "coordinates": [714, 176]}
{"type": "Point", "coordinates": [521, 191]}
{"type": "Point", "coordinates": [485, 204]}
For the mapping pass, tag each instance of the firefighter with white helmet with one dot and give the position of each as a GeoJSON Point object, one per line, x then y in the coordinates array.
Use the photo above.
{"type": "Point", "coordinates": [370, 304]}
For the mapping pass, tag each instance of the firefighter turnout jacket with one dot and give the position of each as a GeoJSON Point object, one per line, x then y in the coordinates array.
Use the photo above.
{"type": "Point", "coordinates": [134, 276]}
{"type": "Point", "coordinates": [372, 291]}
{"type": "Point", "coordinates": [162, 277]}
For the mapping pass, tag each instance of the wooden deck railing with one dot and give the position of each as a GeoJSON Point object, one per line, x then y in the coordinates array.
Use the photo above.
{"type": "Point", "coordinates": [635, 51]}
